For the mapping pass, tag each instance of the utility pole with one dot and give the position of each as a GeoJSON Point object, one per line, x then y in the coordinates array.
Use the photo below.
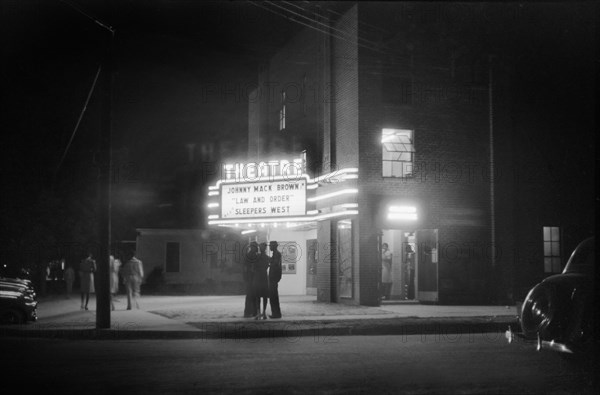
{"type": "Point", "coordinates": [104, 188]}
{"type": "Point", "coordinates": [103, 161]}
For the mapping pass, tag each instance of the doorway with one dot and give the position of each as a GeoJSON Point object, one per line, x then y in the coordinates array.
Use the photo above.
{"type": "Point", "coordinates": [414, 266]}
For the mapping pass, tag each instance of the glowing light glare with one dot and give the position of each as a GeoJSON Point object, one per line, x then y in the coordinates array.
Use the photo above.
{"type": "Point", "coordinates": [408, 213]}
{"type": "Point", "coordinates": [312, 183]}
{"type": "Point", "coordinates": [349, 205]}
{"type": "Point", "coordinates": [402, 209]}
{"type": "Point", "coordinates": [333, 194]}
{"type": "Point", "coordinates": [212, 205]}
{"type": "Point", "coordinates": [213, 193]}
{"type": "Point", "coordinates": [335, 174]}
{"type": "Point", "coordinates": [245, 232]}
{"type": "Point", "coordinates": [251, 222]}
{"type": "Point", "coordinates": [405, 216]}
{"type": "Point", "coordinates": [213, 216]}
{"type": "Point", "coordinates": [312, 212]}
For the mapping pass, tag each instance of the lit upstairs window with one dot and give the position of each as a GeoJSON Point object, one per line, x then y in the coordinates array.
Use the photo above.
{"type": "Point", "coordinates": [282, 112]}
{"type": "Point", "coordinates": [398, 152]}
{"type": "Point", "coordinates": [552, 261]}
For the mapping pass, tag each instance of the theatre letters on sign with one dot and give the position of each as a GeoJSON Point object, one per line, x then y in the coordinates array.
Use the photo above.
{"type": "Point", "coordinates": [264, 199]}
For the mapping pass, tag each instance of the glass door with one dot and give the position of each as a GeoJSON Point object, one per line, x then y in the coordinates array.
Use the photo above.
{"type": "Point", "coordinates": [427, 265]}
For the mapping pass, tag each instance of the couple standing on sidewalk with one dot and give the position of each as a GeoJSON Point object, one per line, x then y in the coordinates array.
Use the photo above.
{"type": "Point", "coordinates": [259, 284]}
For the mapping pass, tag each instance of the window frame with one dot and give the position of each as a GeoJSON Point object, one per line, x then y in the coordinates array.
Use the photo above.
{"type": "Point", "coordinates": [411, 152]}
{"type": "Point", "coordinates": [552, 255]}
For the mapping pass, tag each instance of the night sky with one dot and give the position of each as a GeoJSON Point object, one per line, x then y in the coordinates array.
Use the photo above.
{"type": "Point", "coordinates": [167, 54]}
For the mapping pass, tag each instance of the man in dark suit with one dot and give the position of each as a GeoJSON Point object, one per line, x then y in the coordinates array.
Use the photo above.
{"type": "Point", "coordinates": [274, 277]}
{"type": "Point", "coordinates": [250, 308]}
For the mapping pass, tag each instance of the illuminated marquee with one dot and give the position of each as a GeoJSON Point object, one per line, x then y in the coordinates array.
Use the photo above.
{"type": "Point", "coordinates": [264, 171]}
{"type": "Point", "coordinates": [263, 199]}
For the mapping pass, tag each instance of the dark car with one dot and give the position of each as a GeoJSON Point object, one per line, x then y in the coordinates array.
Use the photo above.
{"type": "Point", "coordinates": [18, 302]}
{"type": "Point", "coordinates": [558, 312]}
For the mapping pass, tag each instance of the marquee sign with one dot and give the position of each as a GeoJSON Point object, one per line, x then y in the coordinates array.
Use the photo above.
{"type": "Point", "coordinates": [263, 199]}
{"type": "Point", "coordinates": [264, 171]}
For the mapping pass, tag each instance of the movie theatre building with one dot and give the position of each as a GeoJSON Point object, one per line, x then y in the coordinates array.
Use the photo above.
{"type": "Point", "coordinates": [347, 153]}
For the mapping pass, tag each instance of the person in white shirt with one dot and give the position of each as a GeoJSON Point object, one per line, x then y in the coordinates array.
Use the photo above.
{"type": "Point", "coordinates": [133, 275]}
{"type": "Point", "coordinates": [115, 266]}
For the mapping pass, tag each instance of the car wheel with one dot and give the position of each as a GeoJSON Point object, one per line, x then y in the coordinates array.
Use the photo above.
{"type": "Point", "coordinates": [12, 316]}
{"type": "Point", "coordinates": [538, 311]}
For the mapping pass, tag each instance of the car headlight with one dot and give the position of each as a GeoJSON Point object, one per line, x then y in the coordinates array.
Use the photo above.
{"type": "Point", "coordinates": [538, 310]}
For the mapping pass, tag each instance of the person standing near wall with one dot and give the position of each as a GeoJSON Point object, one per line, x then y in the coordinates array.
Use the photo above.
{"type": "Point", "coordinates": [133, 275]}
{"type": "Point", "coordinates": [250, 307]}
{"type": "Point", "coordinates": [274, 278]}
{"type": "Point", "coordinates": [86, 276]}
{"type": "Point", "coordinates": [260, 282]}
{"type": "Point", "coordinates": [386, 271]}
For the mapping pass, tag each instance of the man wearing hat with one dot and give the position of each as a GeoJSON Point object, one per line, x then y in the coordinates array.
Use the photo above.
{"type": "Point", "coordinates": [274, 277]}
{"type": "Point", "coordinates": [250, 308]}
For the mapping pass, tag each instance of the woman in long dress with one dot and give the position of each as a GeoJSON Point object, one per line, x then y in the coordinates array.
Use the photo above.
{"type": "Point", "coordinates": [87, 267]}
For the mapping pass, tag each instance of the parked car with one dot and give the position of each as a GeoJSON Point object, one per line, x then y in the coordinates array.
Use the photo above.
{"type": "Point", "coordinates": [18, 301]}
{"type": "Point", "coordinates": [558, 312]}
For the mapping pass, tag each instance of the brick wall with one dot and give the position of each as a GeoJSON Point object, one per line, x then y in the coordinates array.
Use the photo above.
{"type": "Point", "coordinates": [449, 186]}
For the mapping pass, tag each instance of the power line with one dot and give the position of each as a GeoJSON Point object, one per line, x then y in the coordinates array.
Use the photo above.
{"type": "Point", "coordinates": [87, 100]}
{"type": "Point", "coordinates": [338, 14]}
{"type": "Point", "coordinates": [291, 18]}
{"type": "Point", "coordinates": [95, 20]}
{"type": "Point", "coordinates": [375, 47]}
{"type": "Point", "coordinates": [317, 21]}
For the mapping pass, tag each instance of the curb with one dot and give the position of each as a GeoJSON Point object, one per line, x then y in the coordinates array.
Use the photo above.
{"type": "Point", "coordinates": [320, 330]}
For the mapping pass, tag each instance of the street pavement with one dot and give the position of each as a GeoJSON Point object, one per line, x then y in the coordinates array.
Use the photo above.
{"type": "Point", "coordinates": [222, 317]}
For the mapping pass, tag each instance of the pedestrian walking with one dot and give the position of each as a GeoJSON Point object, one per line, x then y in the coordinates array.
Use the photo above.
{"type": "Point", "coordinates": [133, 276]}
{"type": "Point", "coordinates": [260, 282]}
{"type": "Point", "coordinates": [250, 307]}
{"type": "Point", "coordinates": [87, 268]}
{"type": "Point", "coordinates": [69, 276]}
{"type": "Point", "coordinates": [274, 278]}
{"type": "Point", "coordinates": [115, 267]}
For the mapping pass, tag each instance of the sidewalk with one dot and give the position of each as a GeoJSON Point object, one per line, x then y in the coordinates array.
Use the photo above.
{"type": "Point", "coordinates": [204, 317]}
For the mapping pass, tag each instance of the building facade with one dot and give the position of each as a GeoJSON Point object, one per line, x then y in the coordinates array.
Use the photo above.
{"type": "Point", "coordinates": [403, 121]}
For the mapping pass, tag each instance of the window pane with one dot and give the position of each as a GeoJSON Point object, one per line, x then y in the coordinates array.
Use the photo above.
{"type": "Point", "coordinates": [547, 264]}
{"type": "Point", "coordinates": [408, 168]}
{"type": "Point", "coordinates": [546, 233]}
{"type": "Point", "coordinates": [555, 234]}
{"type": "Point", "coordinates": [387, 169]}
{"type": "Point", "coordinates": [405, 156]}
{"type": "Point", "coordinates": [555, 249]}
{"type": "Point", "coordinates": [547, 248]}
{"type": "Point", "coordinates": [397, 169]}
{"type": "Point", "coordinates": [387, 155]}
